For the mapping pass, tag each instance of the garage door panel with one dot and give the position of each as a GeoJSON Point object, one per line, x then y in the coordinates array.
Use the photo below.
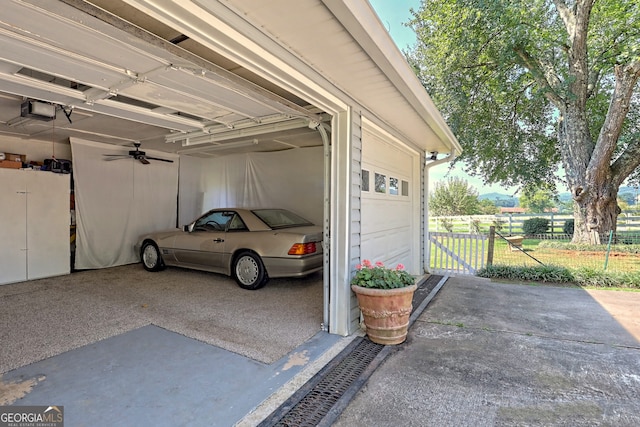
{"type": "Point", "coordinates": [378, 215]}
{"type": "Point", "coordinates": [33, 57]}
{"type": "Point", "coordinates": [382, 246]}
{"type": "Point", "coordinates": [45, 28]}
{"type": "Point", "coordinates": [390, 216]}
{"type": "Point", "coordinates": [208, 87]}
{"type": "Point", "coordinates": [162, 96]}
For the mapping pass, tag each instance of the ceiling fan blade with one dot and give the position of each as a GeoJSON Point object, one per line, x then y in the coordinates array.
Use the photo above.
{"type": "Point", "coordinates": [157, 158]}
{"type": "Point", "coordinates": [109, 157]}
{"type": "Point", "coordinates": [143, 160]}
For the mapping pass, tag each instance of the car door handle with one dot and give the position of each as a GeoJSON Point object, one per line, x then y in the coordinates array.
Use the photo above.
{"type": "Point", "coordinates": [218, 240]}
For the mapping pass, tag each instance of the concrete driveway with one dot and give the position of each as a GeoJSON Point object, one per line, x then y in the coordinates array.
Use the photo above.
{"type": "Point", "coordinates": [493, 354]}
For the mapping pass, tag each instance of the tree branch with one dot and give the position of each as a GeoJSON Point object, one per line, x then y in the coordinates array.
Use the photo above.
{"type": "Point", "coordinates": [567, 17]}
{"type": "Point", "coordinates": [543, 74]}
{"type": "Point", "coordinates": [628, 161]}
{"type": "Point", "coordinates": [626, 78]}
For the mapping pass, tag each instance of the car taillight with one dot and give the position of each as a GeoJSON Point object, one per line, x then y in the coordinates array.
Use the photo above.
{"type": "Point", "coordinates": [303, 249]}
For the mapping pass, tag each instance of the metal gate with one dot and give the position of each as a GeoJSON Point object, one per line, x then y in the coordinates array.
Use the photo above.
{"type": "Point", "coordinates": [456, 253]}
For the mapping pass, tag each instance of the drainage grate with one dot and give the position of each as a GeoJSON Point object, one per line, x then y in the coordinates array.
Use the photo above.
{"type": "Point", "coordinates": [321, 400]}
{"type": "Point", "coordinates": [313, 402]}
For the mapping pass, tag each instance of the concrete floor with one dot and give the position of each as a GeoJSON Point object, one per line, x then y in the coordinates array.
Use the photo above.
{"type": "Point", "coordinates": [495, 354]}
{"type": "Point", "coordinates": [151, 376]}
{"type": "Point", "coordinates": [481, 354]}
{"type": "Point", "coordinates": [46, 317]}
{"type": "Point", "coordinates": [122, 346]}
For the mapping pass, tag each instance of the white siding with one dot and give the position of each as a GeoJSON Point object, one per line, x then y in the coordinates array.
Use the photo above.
{"type": "Point", "coordinates": [356, 214]}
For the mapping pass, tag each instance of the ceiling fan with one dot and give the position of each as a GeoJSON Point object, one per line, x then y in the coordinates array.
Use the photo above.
{"type": "Point", "coordinates": [136, 154]}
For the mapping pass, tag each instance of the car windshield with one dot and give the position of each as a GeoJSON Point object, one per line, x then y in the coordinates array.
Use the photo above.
{"type": "Point", "coordinates": [280, 218]}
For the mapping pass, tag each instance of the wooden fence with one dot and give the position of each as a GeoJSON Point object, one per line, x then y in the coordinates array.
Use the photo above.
{"type": "Point", "coordinates": [458, 253]}
{"type": "Point", "coordinates": [511, 224]}
{"type": "Point", "coordinates": [466, 253]}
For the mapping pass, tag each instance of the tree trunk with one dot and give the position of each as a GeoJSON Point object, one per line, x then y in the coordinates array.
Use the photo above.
{"type": "Point", "coordinates": [595, 215]}
{"type": "Point", "coordinates": [591, 180]}
{"type": "Point", "coordinates": [594, 177]}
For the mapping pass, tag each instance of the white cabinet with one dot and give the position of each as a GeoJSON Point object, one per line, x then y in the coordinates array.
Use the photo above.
{"type": "Point", "coordinates": [13, 225]}
{"type": "Point", "coordinates": [34, 225]}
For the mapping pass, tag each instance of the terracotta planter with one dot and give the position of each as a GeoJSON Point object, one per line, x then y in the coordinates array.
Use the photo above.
{"type": "Point", "coordinates": [386, 312]}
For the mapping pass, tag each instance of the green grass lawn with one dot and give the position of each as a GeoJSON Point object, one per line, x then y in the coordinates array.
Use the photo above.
{"type": "Point", "coordinates": [572, 259]}
{"type": "Point", "coordinates": [616, 261]}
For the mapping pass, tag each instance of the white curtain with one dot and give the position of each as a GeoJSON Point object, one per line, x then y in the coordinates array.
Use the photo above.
{"type": "Point", "coordinates": [117, 201]}
{"type": "Point", "coordinates": [291, 179]}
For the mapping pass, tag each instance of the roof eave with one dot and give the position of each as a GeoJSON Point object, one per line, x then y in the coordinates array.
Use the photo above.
{"type": "Point", "coordinates": [359, 18]}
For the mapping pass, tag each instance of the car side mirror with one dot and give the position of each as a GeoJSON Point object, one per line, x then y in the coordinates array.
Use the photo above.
{"type": "Point", "coordinates": [189, 227]}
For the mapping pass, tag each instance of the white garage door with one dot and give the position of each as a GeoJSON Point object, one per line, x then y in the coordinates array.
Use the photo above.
{"type": "Point", "coordinates": [390, 230]}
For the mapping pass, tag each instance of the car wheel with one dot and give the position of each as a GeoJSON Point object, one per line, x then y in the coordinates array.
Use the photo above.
{"type": "Point", "coordinates": [249, 271]}
{"type": "Point", "coordinates": [151, 258]}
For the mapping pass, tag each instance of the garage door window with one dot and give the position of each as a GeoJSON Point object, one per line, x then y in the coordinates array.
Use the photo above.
{"type": "Point", "coordinates": [365, 180]}
{"type": "Point", "coordinates": [393, 186]}
{"type": "Point", "coordinates": [405, 188]}
{"type": "Point", "coordinates": [381, 183]}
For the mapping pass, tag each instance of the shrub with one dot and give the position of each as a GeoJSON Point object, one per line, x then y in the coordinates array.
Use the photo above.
{"type": "Point", "coordinates": [534, 226]}
{"type": "Point", "coordinates": [540, 273]}
{"type": "Point", "coordinates": [581, 276]}
{"type": "Point", "coordinates": [567, 228]}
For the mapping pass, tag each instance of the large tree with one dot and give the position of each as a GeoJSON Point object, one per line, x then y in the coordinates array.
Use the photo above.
{"type": "Point", "coordinates": [454, 197]}
{"type": "Point", "coordinates": [537, 199]}
{"type": "Point", "coordinates": [531, 87]}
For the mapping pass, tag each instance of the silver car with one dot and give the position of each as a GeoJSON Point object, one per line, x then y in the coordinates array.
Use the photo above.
{"type": "Point", "coordinates": [251, 245]}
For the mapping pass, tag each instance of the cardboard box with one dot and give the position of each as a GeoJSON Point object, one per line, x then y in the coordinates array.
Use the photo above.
{"type": "Point", "coordinates": [10, 164]}
{"type": "Point", "coordinates": [15, 157]}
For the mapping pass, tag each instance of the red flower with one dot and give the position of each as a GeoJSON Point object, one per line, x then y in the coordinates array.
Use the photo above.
{"type": "Point", "coordinates": [380, 277]}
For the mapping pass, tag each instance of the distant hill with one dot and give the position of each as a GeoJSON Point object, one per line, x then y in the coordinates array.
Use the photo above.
{"type": "Point", "coordinates": [625, 193]}
{"type": "Point", "coordinates": [503, 200]}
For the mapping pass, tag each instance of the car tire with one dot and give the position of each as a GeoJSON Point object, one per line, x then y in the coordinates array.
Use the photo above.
{"type": "Point", "coordinates": [249, 272]}
{"type": "Point", "coordinates": [151, 257]}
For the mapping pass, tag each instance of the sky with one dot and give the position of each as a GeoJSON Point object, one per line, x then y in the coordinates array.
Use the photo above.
{"type": "Point", "coordinates": [394, 14]}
